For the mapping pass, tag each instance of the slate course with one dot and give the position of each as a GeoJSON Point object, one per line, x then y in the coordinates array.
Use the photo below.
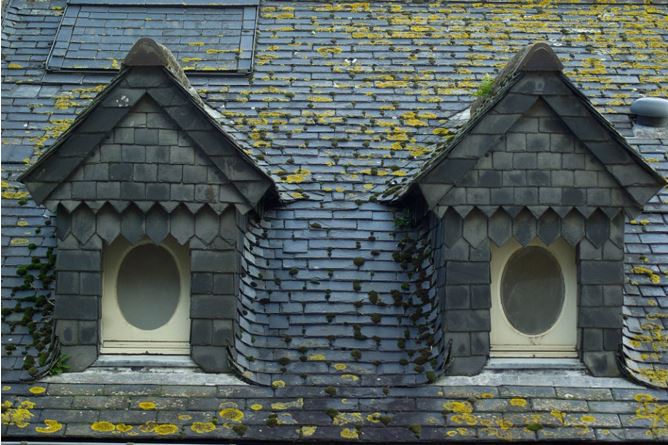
{"type": "Point", "coordinates": [339, 108]}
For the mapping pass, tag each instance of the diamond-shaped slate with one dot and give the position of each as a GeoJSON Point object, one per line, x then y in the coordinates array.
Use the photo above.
{"type": "Point", "coordinates": [108, 223]}
{"type": "Point", "coordinates": [132, 224]}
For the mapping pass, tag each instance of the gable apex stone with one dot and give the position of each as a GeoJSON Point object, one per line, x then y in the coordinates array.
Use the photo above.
{"type": "Point", "coordinates": [540, 57]}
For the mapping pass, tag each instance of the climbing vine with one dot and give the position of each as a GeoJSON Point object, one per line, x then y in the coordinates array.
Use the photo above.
{"type": "Point", "coordinates": [413, 254]}
{"type": "Point", "coordinates": [34, 312]}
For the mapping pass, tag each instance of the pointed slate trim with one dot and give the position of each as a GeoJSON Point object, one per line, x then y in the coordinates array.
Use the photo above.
{"type": "Point", "coordinates": [500, 227]}
{"type": "Point", "coordinates": [549, 227]}
{"type": "Point", "coordinates": [70, 206]}
{"type": "Point", "coordinates": [585, 211]}
{"type": "Point", "coordinates": [524, 227]}
{"type": "Point", "coordinates": [132, 224]}
{"type": "Point", "coordinates": [144, 206]}
{"type": "Point", "coordinates": [120, 206]}
{"type": "Point", "coordinates": [488, 210]}
{"type": "Point", "coordinates": [440, 211]}
{"type": "Point", "coordinates": [169, 206]}
{"type": "Point", "coordinates": [537, 211]}
{"type": "Point", "coordinates": [108, 223]}
{"type": "Point", "coordinates": [573, 228]}
{"type": "Point", "coordinates": [157, 224]}
{"type": "Point", "coordinates": [463, 211]}
{"type": "Point", "coordinates": [63, 222]}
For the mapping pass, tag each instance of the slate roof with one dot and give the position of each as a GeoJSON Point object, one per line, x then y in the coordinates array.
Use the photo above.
{"type": "Point", "coordinates": [345, 100]}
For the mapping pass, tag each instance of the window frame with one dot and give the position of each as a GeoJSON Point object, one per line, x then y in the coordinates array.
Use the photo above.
{"type": "Point", "coordinates": [112, 319]}
{"type": "Point", "coordinates": [561, 339]}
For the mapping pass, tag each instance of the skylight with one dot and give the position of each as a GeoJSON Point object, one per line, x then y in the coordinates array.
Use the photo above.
{"type": "Point", "coordinates": [205, 36]}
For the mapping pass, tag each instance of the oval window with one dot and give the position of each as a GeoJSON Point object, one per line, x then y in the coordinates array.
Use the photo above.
{"type": "Point", "coordinates": [148, 287]}
{"type": "Point", "coordinates": [532, 290]}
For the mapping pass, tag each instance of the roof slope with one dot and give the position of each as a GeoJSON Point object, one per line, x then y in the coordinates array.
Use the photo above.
{"type": "Point", "coordinates": [345, 99]}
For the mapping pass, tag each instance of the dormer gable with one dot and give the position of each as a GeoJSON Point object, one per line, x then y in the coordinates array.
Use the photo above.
{"type": "Point", "coordinates": [149, 118]}
{"type": "Point", "coordinates": [525, 139]}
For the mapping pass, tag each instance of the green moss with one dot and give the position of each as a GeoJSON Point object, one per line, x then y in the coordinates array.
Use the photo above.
{"type": "Point", "coordinates": [330, 390]}
{"type": "Point", "coordinates": [358, 261]}
{"type": "Point", "coordinates": [331, 412]}
{"type": "Point", "coordinates": [416, 429]}
{"type": "Point", "coordinates": [239, 429]}
{"type": "Point", "coordinates": [534, 427]}
{"type": "Point", "coordinates": [272, 420]}
{"type": "Point", "coordinates": [373, 297]}
{"type": "Point", "coordinates": [486, 87]}
{"type": "Point", "coordinates": [356, 354]}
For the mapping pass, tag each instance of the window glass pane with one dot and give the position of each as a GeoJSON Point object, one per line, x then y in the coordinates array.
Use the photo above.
{"type": "Point", "coordinates": [532, 290]}
{"type": "Point", "coordinates": [148, 287]}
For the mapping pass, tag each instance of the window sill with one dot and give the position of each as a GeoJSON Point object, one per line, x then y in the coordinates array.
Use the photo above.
{"type": "Point", "coordinates": [145, 370]}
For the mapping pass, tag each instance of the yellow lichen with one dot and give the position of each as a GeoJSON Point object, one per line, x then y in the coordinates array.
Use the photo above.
{"type": "Point", "coordinates": [14, 66]}
{"type": "Point", "coordinates": [351, 377]}
{"type": "Point", "coordinates": [51, 426]}
{"type": "Point", "coordinates": [641, 270]}
{"type": "Point", "coordinates": [322, 99]}
{"type": "Point", "coordinates": [298, 177]}
{"type": "Point", "coordinates": [37, 390]}
{"type": "Point", "coordinates": [202, 427]}
{"type": "Point", "coordinates": [146, 405]}
{"type": "Point", "coordinates": [458, 407]}
{"type": "Point", "coordinates": [317, 357]}
{"type": "Point", "coordinates": [278, 384]}
{"type": "Point", "coordinates": [280, 406]}
{"type": "Point", "coordinates": [307, 430]}
{"type": "Point", "coordinates": [340, 366]}
{"type": "Point", "coordinates": [19, 416]}
{"type": "Point", "coordinates": [587, 419]}
{"type": "Point", "coordinates": [123, 428]}
{"type": "Point", "coordinates": [325, 50]}
{"type": "Point", "coordinates": [232, 414]}
{"type": "Point", "coordinates": [256, 407]}
{"type": "Point", "coordinates": [349, 433]}
{"type": "Point", "coordinates": [165, 429]}
{"type": "Point", "coordinates": [103, 427]}
{"type": "Point", "coordinates": [348, 418]}
{"type": "Point", "coordinates": [518, 402]}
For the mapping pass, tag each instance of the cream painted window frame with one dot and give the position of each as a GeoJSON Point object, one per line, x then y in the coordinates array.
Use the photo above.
{"type": "Point", "coordinates": [560, 340]}
{"type": "Point", "coordinates": [117, 336]}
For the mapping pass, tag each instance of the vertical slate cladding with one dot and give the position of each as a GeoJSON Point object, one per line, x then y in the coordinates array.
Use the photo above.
{"type": "Point", "coordinates": [334, 293]}
{"type": "Point", "coordinates": [147, 180]}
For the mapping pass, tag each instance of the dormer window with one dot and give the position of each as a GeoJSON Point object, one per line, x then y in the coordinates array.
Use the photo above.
{"type": "Point", "coordinates": [534, 300]}
{"type": "Point", "coordinates": [145, 298]}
